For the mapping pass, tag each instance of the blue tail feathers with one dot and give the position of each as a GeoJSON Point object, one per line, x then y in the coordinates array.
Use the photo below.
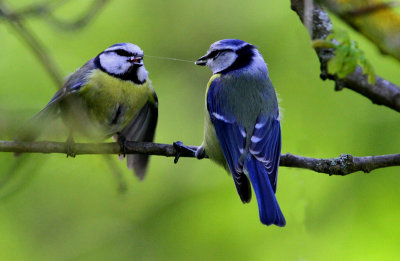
{"type": "Point", "coordinates": [270, 212]}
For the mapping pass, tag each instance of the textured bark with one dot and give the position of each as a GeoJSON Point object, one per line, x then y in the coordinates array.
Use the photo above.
{"type": "Point", "coordinates": [319, 25]}
{"type": "Point", "coordinates": [343, 165]}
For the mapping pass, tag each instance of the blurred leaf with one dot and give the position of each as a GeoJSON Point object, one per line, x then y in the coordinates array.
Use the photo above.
{"type": "Point", "coordinates": [347, 55]}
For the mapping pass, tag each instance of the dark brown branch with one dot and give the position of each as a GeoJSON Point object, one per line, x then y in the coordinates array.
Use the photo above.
{"type": "Point", "coordinates": [343, 165]}
{"type": "Point", "coordinates": [133, 147]}
{"type": "Point", "coordinates": [382, 93]}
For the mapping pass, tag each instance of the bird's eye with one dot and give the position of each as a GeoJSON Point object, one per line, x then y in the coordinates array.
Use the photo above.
{"type": "Point", "coordinates": [122, 52]}
{"type": "Point", "coordinates": [218, 54]}
{"type": "Point", "coordinates": [215, 54]}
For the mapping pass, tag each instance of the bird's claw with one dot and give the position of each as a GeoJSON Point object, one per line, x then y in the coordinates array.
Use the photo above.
{"type": "Point", "coordinates": [178, 145]}
{"type": "Point", "coordinates": [200, 153]}
{"type": "Point", "coordinates": [122, 143]}
{"type": "Point", "coordinates": [183, 150]}
{"type": "Point", "coordinates": [70, 147]}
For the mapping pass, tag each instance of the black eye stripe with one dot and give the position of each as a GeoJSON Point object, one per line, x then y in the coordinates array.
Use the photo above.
{"type": "Point", "coordinates": [121, 52]}
{"type": "Point", "coordinates": [215, 53]}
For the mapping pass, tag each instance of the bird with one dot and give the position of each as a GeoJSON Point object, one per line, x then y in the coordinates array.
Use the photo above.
{"type": "Point", "coordinates": [242, 129]}
{"type": "Point", "coordinates": [110, 95]}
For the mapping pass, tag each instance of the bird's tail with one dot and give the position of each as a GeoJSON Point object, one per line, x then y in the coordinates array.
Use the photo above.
{"type": "Point", "coordinates": [270, 212]}
{"type": "Point", "coordinates": [31, 129]}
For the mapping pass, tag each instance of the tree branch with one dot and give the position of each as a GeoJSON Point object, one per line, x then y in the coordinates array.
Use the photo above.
{"type": "Point", "coordinates": [34, 44]}
{"type": "Point", "coordinates": [82, 21]}
{"type": "Point", "coordinates": [343, 165]}
{"type": "Point", "coordinates": [46, 10]}
{"type": "Point", "coordinates": [382, 93]}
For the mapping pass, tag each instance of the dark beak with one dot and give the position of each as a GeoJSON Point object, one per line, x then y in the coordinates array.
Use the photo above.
{"type": "Point", "coordinates": [136, 60]}
{"type": "Point", "coordinates": [202, 60]}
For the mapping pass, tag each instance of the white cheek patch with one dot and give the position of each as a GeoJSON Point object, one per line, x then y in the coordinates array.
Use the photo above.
{"type": "Point", "coordinates": [114, 64]}
{"type": "Point", "coordinates": [223, 61]}
{"type": "Point", "coordinates": [142, 74]}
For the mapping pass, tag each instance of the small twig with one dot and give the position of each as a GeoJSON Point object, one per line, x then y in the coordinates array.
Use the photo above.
{"type": "Point", "coordinates": [82, 21]}
{"type": "Point", "coordinates": [343, 165]}
{"type": "Point", "coordinates": [36, 47]}
{"type": "Point", "coordinates": [382, 93]}
{"type": "Point", "coordinates": [39, 9]}
{"type": "Point", "coordinates": [15, 19]}
{"type": "Point", "coordinates": [46, 10]}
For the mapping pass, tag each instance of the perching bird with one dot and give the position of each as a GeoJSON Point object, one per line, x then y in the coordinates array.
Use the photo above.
{"type": "Point", "coordinates": [110, 95]}
{"type": "Point", "coordinates": [242, 127]}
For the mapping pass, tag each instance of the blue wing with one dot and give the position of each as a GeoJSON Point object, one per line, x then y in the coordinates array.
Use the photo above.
{"type": "Point", "coordinates": [265, 146]}
{"type": "Point", "coordinates": [262, 165]}
{"type": "Point", "coordinates": [73, 82]}
{"type": "Point", "coordinates": [262, 159]}
{"type": "Point", "coordinates": [232, 139]}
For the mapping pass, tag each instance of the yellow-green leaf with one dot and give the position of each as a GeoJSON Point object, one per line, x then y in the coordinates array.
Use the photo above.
{"type": "Point", "coordinates": [347, 56]}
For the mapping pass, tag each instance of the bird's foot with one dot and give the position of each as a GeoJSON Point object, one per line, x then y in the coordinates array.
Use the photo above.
{"type": "Point", "coordinates": [181, 150]}
{"type": "Point", "coordinates": [200, 153]}
{"type": "Point", "coordinates": [70, 147]}
{"type": "Point", "coordinates": [122, 143]}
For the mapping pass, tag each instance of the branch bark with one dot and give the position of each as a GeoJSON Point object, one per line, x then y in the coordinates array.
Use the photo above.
{"type": "Point", "coordinates": [382, 93]}
{"type": "Point", "coordinates": [343, 165]}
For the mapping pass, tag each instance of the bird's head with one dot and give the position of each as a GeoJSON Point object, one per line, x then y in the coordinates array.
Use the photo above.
{"type": "Point", "coordinates": [124, 61]}
{"type": "Point", "coordinates": [231, 54]}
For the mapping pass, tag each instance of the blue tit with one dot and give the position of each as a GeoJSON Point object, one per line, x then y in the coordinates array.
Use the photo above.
{"type": "Point", "coordinates": [242, 129]}
{"type": "Point", "coordinates": [110, 95]}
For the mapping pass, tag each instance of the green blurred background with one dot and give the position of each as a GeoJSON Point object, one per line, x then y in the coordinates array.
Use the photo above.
{"type": "Point", "coordinates": [58, 208]}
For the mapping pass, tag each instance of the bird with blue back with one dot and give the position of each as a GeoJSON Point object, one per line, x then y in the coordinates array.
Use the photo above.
{"type": "Point", "coordinates": [242, 129]}
{"type": "Point", "coordinates": [110, 95]}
